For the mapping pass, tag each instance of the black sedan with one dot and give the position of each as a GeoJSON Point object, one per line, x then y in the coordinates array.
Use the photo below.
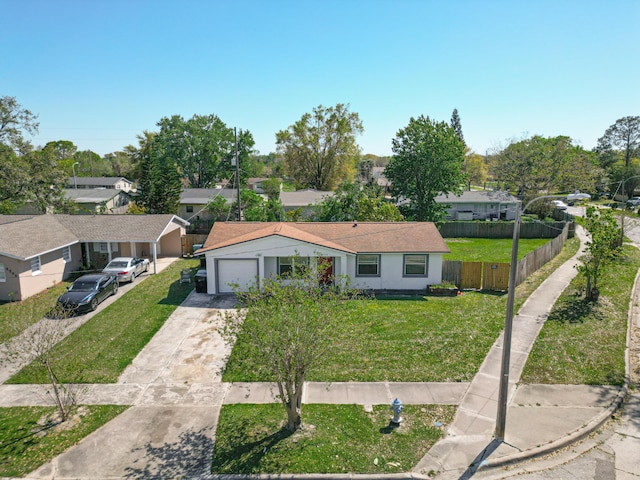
{"type": "Point", "coordinates": [87, 292]}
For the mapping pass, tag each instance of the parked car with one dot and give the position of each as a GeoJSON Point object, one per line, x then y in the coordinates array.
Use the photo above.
{"type": "Point", "coordinates": [127, 268]}
{"type": "Point", "coordinates": [559, 204]}
{"type": "Point", "coordinates": [87, 292]}
{"type": "Point", "coordinates": [572, 197]}
{"type": "Point", "coordinates": [633, 202]}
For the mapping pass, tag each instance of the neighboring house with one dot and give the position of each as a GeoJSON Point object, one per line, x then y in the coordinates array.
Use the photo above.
{"type": "Point", "coordinates": [193, 201]}
{"type": "Point", "coordinates": [303, 199]}
{"type": "Point", "coordinates": [255, 184]}
{"type": "Point", "coordinates": [37, 251]}
{"type": "Point", "coordinates": [380, 179]}
{"type": "Point", "coordinates": [117, 183]}
{"type": "Point", "coordinates": [99, 200]}
{"type": "Point", "coordinates": [401, 256]}
{"type": "Point", "coordinates": [480, 205]}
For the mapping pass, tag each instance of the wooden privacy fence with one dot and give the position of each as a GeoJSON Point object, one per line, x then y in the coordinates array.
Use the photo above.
{"type": "Point", "coordinates": [495, 276]}
{"type": "Point", "coordinates": [501, 229]}
{"type": "Point", "coordinates": [191, 239]}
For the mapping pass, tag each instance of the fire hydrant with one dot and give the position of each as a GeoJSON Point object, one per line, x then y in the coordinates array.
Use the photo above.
{"type": "Point", "coordinates": [396, 408]}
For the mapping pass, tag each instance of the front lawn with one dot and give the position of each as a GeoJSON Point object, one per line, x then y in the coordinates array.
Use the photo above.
{"type": "Point", "coordinates": [335, 439]}
{"type": "Point", "coordinates": [583, 342]}
{"type": "Point", "coordinates": [26, 442]}
{"type": "Point", "coordinates": [102, 348]}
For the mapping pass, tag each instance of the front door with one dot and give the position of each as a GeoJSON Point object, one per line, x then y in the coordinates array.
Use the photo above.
{"type": "Point", "coordinates": [325, 270]}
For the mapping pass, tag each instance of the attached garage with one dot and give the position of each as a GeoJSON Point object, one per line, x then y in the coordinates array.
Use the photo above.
{"type": "Point", "coordinates": [241, 271]}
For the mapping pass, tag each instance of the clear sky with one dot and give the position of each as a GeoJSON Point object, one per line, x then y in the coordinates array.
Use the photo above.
{"type": "Point", "coordinates": [100, 72]}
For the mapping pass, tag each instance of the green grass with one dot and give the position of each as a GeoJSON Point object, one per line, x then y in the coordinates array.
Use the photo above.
{"type": "Point", "coordinates": [15, 317]}
{"type": "Point", "coordinates": [584, 342]}
{"type": "Point", "coordinates": [22, 449]}
{"type": "Point", "coordinates": [496, 250]}
{"type": "Point", "coordinates": [335, 439]}
{"type": "Point", "coordinates": [418, 339]}
{"type": "Point", "coordinates": [102, 348]}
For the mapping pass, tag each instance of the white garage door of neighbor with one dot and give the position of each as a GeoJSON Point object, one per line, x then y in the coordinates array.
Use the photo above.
{"type": "Point", "coordinates": [242, 272]}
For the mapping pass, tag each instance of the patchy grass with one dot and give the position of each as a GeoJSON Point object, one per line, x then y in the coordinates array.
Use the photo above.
{"type": "Point", "coordinates": [26, 442]}
{"type": "Point", "coordinates": [335, 439]}
{"type": "Point", "coordinates": [15, 317]}
{"type": "Point", "coordinates": [496, 250]}
{"type": "Point", "coordinates": [583, 342]}
{"type": "Point", "coordinates": [102, 348]}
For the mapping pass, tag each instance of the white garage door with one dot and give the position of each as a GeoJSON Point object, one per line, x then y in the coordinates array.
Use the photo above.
{"type": "Point", "coordinates": [242, 272]}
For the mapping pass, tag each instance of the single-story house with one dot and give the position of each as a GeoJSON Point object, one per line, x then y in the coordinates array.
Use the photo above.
{"type": "Point", "coordinates": [194, 200]}
{"type": "Point", "coordinates": [37, 251]}
{"type": "Point", "coordinates": [255, 183]}
{"type": "Point", "coordinates": [480, 205]}
{"type": "Point", "coordinates": [117, 183]}
{"type": "Point", "coordinates": [99, 200]}
{"type": "Point", "coordinates": [379, 256]}
{"type": "Point", "coordinates": [303, 199]}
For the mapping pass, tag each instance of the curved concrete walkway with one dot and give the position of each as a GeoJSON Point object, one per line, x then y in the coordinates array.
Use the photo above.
{"type": "Point", "coordinates": [175, 391]}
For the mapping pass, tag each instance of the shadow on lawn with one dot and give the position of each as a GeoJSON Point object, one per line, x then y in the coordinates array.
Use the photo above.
{"type": "Point", "coordinates": [242, 456]}
{"type": "Point", "coordinates": [177, 292]}
{"type": "Point", "coordinates": [575, 310]}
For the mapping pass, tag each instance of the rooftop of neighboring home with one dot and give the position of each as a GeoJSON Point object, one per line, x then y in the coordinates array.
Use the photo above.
{"type": "Point", "coordinates": [302, 198]}
{"type": "Point", "coordinates": [92, 195]}
{"type": "Point", "coordinates": [351, 237]}
{"type": "Point", "coordinates": [25, 236]}
{"type": "Point", "coordinates": [96, 182]}
{"type": "Point", "coordinates": [478, 196]}
{"type": "Point", "coordinates": [202, 196]}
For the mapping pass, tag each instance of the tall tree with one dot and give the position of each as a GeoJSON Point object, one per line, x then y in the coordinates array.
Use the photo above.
{"type": "Point", "coordinates": [428, 158]}
{"type": "Point", "coordinates": [320, 149]}
{"type": "Point", "coordinates": [540, 164]}
{"type": "Point", "coordinates": [202, 147]}
{"type": "Point", "coordinates": [457, 125]}
{"type": "Point", "coordinates": [14, 122]}
{"type": "Point", "coordinates": [353, 201]}
{"type": "Point", "coordinates": [289, 325]}
{"type": "Point", "coordinates": [623, 137]}
{"type": "Point", "coordinates": [160, 182]}
{"type": "Point", "coordinates": [475, 168]}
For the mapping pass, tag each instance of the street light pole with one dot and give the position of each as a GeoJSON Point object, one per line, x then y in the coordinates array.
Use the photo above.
{"type": "Point", "coordinates": [503, 391]}
{"type": "Point", "coordinates": [75, 182]}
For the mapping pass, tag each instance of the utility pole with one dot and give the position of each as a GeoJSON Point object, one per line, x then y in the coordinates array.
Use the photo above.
{"type": "Point", "coordinates": [235, 158]}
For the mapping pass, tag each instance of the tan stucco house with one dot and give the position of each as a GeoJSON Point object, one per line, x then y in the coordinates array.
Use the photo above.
{"type": "Point", "coordinates": [37, 251]}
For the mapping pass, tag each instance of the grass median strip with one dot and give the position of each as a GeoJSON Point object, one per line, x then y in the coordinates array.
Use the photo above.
{"type": "Point", "coordinates": [26, 442]}
{"type": "Point", "coordinates": [101, 349]}
{"type": "Point", "coordinates": [334, 439]}
{"type": "Point", "coordinates": [584, 342]}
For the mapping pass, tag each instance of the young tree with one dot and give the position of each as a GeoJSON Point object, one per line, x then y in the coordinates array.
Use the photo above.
{"type": "Point", "coordinates": [475, 168]}
{"type": "Point", "coordinates": [289, 324]}
{"type": "Point", "coordinates": [35, 344]}
{"type": "Point", "coordinates": [602, 248]}
{"type": "Point", "coordinates": [320, 149]}
{"type": "Point", "coordinates": [428, 158]}
{"type": "Point", "coordinates": [256, 209]}
{"type": "Point", "coordinates": [354, 201]}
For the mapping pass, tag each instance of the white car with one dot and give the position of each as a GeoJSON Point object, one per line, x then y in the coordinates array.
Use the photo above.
{"type": "Point", "coordinates": [572, 197]}
{"type": "Point", "coordinates": [127, 268]}
{"type": "Point", "coordinates": [559, 204]}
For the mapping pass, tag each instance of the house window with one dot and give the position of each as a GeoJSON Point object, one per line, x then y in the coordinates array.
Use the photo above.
{"type": "Point", "coordinates": [189, 208]}
{"type": "Point", "coordinates": [368, 265]}
{"type": "Point", "coordinates": [287, 264]}
{"type": "Point", "coordinates": [416, 265]}
{"type": "Point", "coordinates": [66, 254]}
{"type": "Point", "coordinates": [35, 266]}
{"type": "Point", "coordinates": [3, 273]}
{"type": "Point", "coordinates": [103, 247]}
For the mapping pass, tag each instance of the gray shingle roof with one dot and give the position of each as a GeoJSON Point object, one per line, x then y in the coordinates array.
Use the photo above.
{"type": "Point", "coordinates": [302, 198]}
{"type": "Point", "coordinates": [92, 195]}
{"type": "Point", "coordinates": [481, 196]}
{"type": "Point", "coordinates": [202, 196]}
{"type": "Point", "coordinates": [25, 236]}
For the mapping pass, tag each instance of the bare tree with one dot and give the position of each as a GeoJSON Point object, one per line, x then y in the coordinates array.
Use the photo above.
{"type": "Point", "coordinates": [36, 344]}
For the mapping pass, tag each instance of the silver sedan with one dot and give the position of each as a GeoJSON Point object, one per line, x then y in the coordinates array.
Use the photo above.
{"type": "Point", "coordinates": [127, 268]}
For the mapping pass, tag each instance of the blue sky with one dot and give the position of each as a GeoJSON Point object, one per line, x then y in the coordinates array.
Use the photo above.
{"type": "Point", "coordinates": [99, 73]}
